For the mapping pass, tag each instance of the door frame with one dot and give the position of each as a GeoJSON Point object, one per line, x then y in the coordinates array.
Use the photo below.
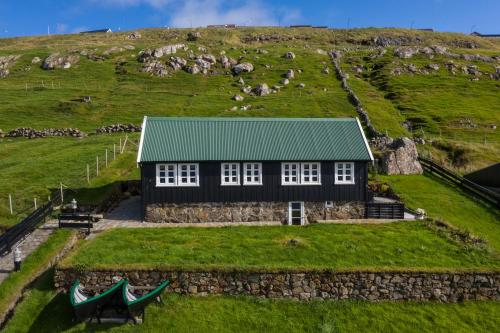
{"type": "Point", "coordinates": [302, 215]}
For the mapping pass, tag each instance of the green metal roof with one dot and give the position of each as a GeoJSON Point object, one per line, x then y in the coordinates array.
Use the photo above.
{"type": "Point", "coordinates": [166, 139]}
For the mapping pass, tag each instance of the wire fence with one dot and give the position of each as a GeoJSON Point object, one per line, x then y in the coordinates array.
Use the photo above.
{"type": "Point", "coordinates": [19, 205]}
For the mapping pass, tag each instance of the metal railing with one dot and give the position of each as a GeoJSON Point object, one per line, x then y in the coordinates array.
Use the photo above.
{"type": "Point", "coordinates": [465, 184]}
{"type": "Point", "coordinates": [384, 210]}
{"type": "Point", "coordinates": [27, 225]}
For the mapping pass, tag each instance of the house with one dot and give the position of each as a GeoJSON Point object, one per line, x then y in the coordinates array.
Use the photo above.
{"type": "Point", "coordinates": [488, 177]}
{"type": "Point", "coordinates": [293, 170]}
{"type": "Point", "coordinates": [477, 34]}
{"type": "Point", "coordinates": [107, 30]}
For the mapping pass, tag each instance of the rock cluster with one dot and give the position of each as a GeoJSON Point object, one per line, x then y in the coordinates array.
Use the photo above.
{"type": "Point", "coordinates": [56, 60]}
{"type": "Point", "coordinates": [134, 35]}
{"type": "Point", "coordinates": [31, 133]}
{"type": "Point", "coordinates": [306, 285]}
{"type": "Point", "coordinates": [149, 54]}
{"type": "Point", "coordinates": [155, 67]}
{"type": "Point", "coordinates": [5, 63]}
{"type": "Point", "coordinates": [409, 52]}
{"type": "Point", "coordinates": [114, 128]}
{"type": "Point", "coordinates": [193, 36]}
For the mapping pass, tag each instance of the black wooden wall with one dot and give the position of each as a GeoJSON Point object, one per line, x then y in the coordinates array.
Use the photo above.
{"type": "Point", "coordinates": [210, 189]}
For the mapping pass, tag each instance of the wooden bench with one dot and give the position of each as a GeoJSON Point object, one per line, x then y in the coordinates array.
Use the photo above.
{"type": "Point", "coordinates": [77, 221]}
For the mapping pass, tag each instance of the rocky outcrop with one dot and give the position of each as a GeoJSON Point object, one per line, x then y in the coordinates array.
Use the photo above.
{"type": "Point", "coordinates": [448, 287]}
{"type": "Point", "coordinates": [399, 157]}
{"type": "Point", "coordinates": [156, 68]}
{"type": "Point", "coordinates": [148, 54]}
{"type": "Point", "coordinates": [32, 133]}
{"type": "Point", "coordinates": [56, 60]}
{"type": "Point", "coordinates": [5, 63]}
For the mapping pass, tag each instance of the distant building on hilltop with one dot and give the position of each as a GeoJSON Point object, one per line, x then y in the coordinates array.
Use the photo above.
{"type": "Point", "coordinates": [215, 26]}
{"type": "Point", "coordinates": [107, 30]}
{"type": "Point", "coordinates": [477, 34]}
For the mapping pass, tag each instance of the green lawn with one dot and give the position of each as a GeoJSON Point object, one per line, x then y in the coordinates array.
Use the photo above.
{"type": "Point", "coordinates": [32, 168]}
{"type": "Point", "coordinates": [33, 265]}
{"type": "Point", "coordinates": [442, 201]}
{"type": "Point", "coordinates": [43, 310]}
{"type": "Point", "coordinates": [392, 246]}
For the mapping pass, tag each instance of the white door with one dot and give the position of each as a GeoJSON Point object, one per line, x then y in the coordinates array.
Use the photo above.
{"type": "Point", "coordinates": [296, 213]}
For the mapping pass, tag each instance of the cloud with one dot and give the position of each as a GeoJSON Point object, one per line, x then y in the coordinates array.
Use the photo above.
{"type": "Point", "coordinates": [128, 3]}
{"type": "Point", "coordinates": [198, 13]}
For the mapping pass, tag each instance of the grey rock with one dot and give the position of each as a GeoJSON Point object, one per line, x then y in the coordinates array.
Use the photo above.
{"type": "Point", "coordinates": [134, 35]}
{"type": "Point", "coordinates": [262, 89]}
{"type": "Point", "coordinates": [193, 36]}
{"type": "Point", "coordinates": [290, 74]}
{"type": "Point", "coordinates": [56, 60]}
{"type": "Point", "coordinates": [243, 67]}
{"type": "Point", "coordinates": [289, 55]}
{"type": "Point", "coordinates": [238, 98]}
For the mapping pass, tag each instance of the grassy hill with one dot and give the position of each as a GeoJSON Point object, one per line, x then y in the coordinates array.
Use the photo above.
{"type": "Point", "coordinates": [453, 111]}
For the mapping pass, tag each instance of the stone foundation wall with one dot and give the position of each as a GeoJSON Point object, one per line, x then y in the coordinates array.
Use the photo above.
{"type": "Point", "coordinates": [372, 286]}
{"type": "Point", "coordinates": [247, 212]}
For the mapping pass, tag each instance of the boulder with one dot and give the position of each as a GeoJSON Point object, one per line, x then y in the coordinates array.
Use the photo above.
{"type": "Point", "coordinates": [209, 58]}
{"type": "Point", "coordinates": [246, 89]}
{"type": "Point", "coordinates": [262, 89]}
{"type": "Point", "coordinates": [193, 36]}
{"type": "Point", "coordinates": [405, 52]}
{"type": "Point", "coordinates": [238, 98]}
{"type": "Point", "coordinates": [290, 74]}
{"type": "Point", "coordinates": [203, 64]}
{"type": "Point", "coordinates": [134, 35]}
{"type": "Point", "coordinates": [434, 67]}
{"type": "Point", "coordinates": [36, 60]}
{"type": "Point", "coordinates": [289, 55]}
{"type": "Point", "coordinates": [241, 81]}
{"type": "Point", "coordinates": [195, 69]}
{"type": "Point", "coordinates": [400, 157]}
{"type": "Point", "coordinates": [243, 67]}
{"type": "Point", "coordinates": [5, 62]}
{"type": "Point", "coordinates": [177, 63]}
{"type": "Point", "coordinates": [301, 85]}
{"type": "Point", "coordinates": [56, 60]}
{"type": "Point", "coordinates": [285, 82]}
{"type": "Point", "coordinates": [326, 70]}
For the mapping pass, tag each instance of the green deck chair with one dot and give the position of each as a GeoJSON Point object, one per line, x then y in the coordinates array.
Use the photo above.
{"type": "Point", "coordinates": [135, 305]}
{"type": "Point", "coordinates": [89, 307]}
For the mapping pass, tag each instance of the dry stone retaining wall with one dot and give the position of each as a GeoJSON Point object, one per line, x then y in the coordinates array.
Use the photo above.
{"type": "Point", "coordinates": [371, 286]}
{"type": "Point", "coordinates": [247, 212]}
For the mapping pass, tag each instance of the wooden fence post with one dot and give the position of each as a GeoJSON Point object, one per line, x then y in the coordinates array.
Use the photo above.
{"type": "Point", "coordinates": [88, 173]}
{"type": "Point", "coordinates": [106, 158]}
{"type": "Point", "coordinates": [34, 201]}
{"type": "Point", "coordinates": [10, 204]}
{"type": "Point", "coordinates": [97, 165]}
{"type": "Point", "coordinates": [114, 151]}
{"type": "Point", "coordinates": [120, 147]}
{"type": "Point", "coordinates": [62, 194]}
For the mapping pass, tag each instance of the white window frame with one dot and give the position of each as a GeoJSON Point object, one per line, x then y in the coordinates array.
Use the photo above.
{"type": "Point", "coordinates": [289, 182]}
{"type": "Point", "coordinates": [302, 212]}
{"type": "Point", "coordinates": [190, 183]}
{"type": "Point", "coordinates": [251, 166]}
{"type": "Point", "coordinates": [300, 173]}
{"type": "Point", "coordinates": [310, 166]}
{"type": "Point", "coordinates": [231, 167]}
{"type": "Point", "coordinates": [342, 166]}
{"type": "Point", "coordinates": [166, 165]}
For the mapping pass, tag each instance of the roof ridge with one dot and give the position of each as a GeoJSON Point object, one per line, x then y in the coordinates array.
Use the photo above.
{"type": "Point", "coordinates": [248, 119]}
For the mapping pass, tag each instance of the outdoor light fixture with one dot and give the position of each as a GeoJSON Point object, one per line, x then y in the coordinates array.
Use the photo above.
{"type": "Point", "coordinates": [74, 205]}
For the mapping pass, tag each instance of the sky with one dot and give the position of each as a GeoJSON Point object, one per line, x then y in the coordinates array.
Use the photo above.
{"type": "Point", "coordinates": [38, 17]}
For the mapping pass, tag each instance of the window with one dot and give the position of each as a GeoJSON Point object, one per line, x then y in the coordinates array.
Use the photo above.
{"type": "Point", "coordinates": [344, 173]}
{"type": "Point", "coordinates": [310, 174]}
{"type": "Point", "coordinates": [177, 174]}
{"type": "Point", "coordinates": [166, 175]}
{"type": "Point", "coordinates": [188, 175]}
{"type": "Point", "coordinates": [290, 173]}
{"type": "Point", "coordinates": [230, 174]}
{"type": "Point", "coordinates": [252, 174]}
